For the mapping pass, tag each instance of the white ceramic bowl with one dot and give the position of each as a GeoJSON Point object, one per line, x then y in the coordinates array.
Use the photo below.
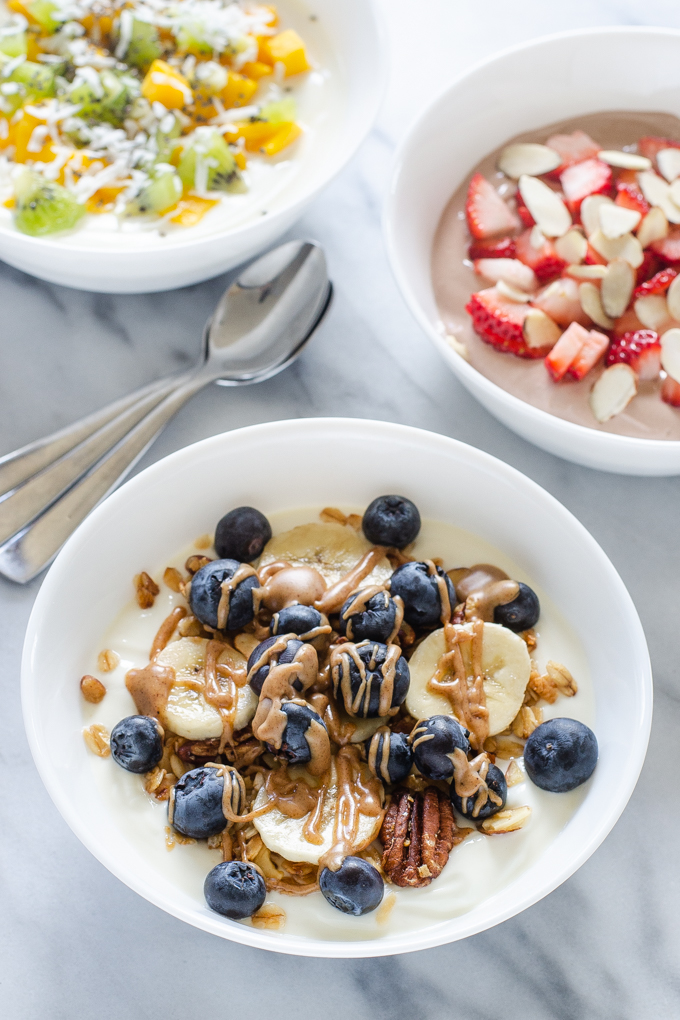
{"type": "Point", "coordinates": [137, 262]}
{"type": "Point", "coordinates": [289, 464]}
{"type": "Point", "coordinates": [519, 90]}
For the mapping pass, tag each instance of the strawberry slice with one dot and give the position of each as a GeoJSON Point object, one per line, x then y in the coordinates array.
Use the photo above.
{"type": "Point", "coordinates": [566, 350]}
{"type": "Point", "coordinates": [630, 196]}
{"type": "Point", "coordinates": [650, 145]}
{"type": "Point", "coordinates": [544, 261]}
{"type": "Point", "coordinates": [503, 249]}
{"type": "Point", "coordinates": [591, 177]}
{"type": "Point", "coordinates": [573, 148]}
{"type": "Point", "coordinates": [561, 302]}
{"type": "Point", "coordinates": [670, 392]}
{"type": "Point", "coordinates": [523, 212]}
{"type": "Point", "coordinates": [668, 248]}
{"type": "Point", "coordinates": [589, 355]}
{"type": "Point", "coordinates": [499, 323]}
{"type": "Point", "coordinates": [658, 284]}
{"type": "Point", "coordinates": [641, 350]}
{"type": "Point", "coordinates": [648, 267]}
{"type": "Point", "coordinates": [487, 214]}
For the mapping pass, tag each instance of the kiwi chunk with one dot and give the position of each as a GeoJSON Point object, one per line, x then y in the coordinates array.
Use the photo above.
{"type": "Point", "coordinates": [189, 39]}
{"type": "Point", "coordinates": [103, 97]}
{"type": "Point", "coordinates": [43, 207]}
{"type": "Point", "coordinates": [37, 79]}
{"type": "Point", "coordinates": [282, 111]}
{"type": "Point", "coordinates": [13, 43]}
{"type": "Point", "coordinates": [47, 14]}
{"type": "Point", "coordinates": [144, 46]}
{"type": "Point", "coordinates": [158, 196]}
{"type": "Point", "coordinates": [207, 163]}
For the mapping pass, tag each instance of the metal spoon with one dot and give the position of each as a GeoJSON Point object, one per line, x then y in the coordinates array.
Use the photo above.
{"type": "Point", "coordinates": [260, 325]}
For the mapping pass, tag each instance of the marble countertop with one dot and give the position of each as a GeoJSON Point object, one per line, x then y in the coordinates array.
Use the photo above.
{"type": "Point", "coordinates": [77, 943]}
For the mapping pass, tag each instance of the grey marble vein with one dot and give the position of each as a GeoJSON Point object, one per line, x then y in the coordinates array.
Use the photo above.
{"type": "Point", "coordinates": [74, 942]}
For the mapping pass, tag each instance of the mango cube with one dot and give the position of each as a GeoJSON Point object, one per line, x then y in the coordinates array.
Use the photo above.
{"type": "Point", "coordinates": [287, 48]}
{"type": "Point", "coordinates": [238, 91]}
{"type": "Point", "coordinates": [163, 84]}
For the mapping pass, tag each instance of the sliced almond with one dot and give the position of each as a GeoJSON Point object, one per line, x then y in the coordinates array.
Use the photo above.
{"type": "Point", "coordinates": [572, 247]}
{"type": "Point", "coordinates": [658, 192]}
{"type": "Point", "coordinates": [528, 158]}
{"type": "Point", "coordinates": [668, 162]}
{"type": "Point", "coordinates": [596, 272]}
{"type": "Point", "coordinates": [514, 272]}
{"type": "Point", "coordinates": [508, 820]}
{"type": "Point", "coordinates": [670, 353]}
{"type": "Point", "coordinates": [652, 311]}
{"type": "Point", "coordinates": [674, 189]}
{"type": "Point", "coordinates": [590, 212]}
{"type": "Point", "coordinates": [673, 297]}
{"type": "Point", "coordinates": [540, 330]}
{"type": "Point", "coordinates": [626, 247]}
{"type": "Point", "coordinates": [654, 226]}
{"type": "Point", "coordinates": [626, 160]}
{"type": "Point", "coordinates": [537, 238]}
{"type": "Point", "coordinates": [545, 205]}
{"type": "Point", "coordinates": [514, 773]}
{"type": "Point", "coordinates": [512, 293]}
{"type": "Point", "coordinates": [617, 288]}
{"type": "Point", "coordinates": [613, 391]}
{"type": "Point", "coordinates": [615, 220]}
{"type": "Point", "coordinates": [591, 303]}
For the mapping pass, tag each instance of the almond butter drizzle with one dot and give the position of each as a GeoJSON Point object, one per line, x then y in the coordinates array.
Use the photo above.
{"type": "Point", "coordinates": [340, 730]}
{"type": "Point", "coordinates": [444, 600]}
{"type": "Point", "coordinates": [356, 796]}
{"type": "Point", "coordinates": [360, 602]}
{"type": "Point", "coordinates": [228, 587]}
{"type": "Point", "coordinates": [295, 799]}
{"type": "Point", "coordinates": [335, 597]}
{"type": "Point", "coordinates": [289, 585]}
{"type": "Point", "coordinates": [233, 795]}
{"type": "Point", "coordinates": [459, 678]}
{"type": "Point", "coordinates": [341, 675]}
{"type": "Point", "coordinates": [482, 587]}
{"type": "Point", "coordinates": [224, 701]}
{"type": "Point", "coordinates": [469, 780]}
{"type": "Point", "coordinates": [150, 688]}
{"type": "Point", "coordinates": [380, 745]}
{"type": "Point", "coordinates": [166, 630]}
{"type": "Point", "coordinates": [270, 722]}
{"type": "Point", "coordinates": [310, 635]}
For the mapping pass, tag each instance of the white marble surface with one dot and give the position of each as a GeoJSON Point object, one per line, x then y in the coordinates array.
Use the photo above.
{"type": "Point", "coordinates": [76, 943]}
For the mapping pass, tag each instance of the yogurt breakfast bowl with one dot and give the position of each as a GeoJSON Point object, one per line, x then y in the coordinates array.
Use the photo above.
{"type": "Point", "coordinates": [563, 411]}
{"type": "Point", "coordinates": [155, 144]}
{"type": "Point", "coordinates": [488, 877]}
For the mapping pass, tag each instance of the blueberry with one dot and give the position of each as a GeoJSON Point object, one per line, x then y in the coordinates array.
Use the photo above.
{"type": "Point", "coordinates": [242, 534]}
{"type": "Point", "coordinates": [420, 592]}
{"type": "Point", "coordinates": [433, 740]}
{"type": "Point", "coordinates": [361, 684]}
{"type": "Point", "coordinates": [234, 889]}
{"type": "Point", "coordinates": [257, 676]}
{"type": "Point", "coordinates": [137, 743]}
{"type": "Point", "coordinates": [195, 807]}
{"type": "Point", "coordinates": [478, 807]}
{"type": "Point", "coordinates": [560, 755]}
{"type": "Point", "coordinates": [391, 520]}
{"type": "Point", "coordinates": [389, 756]}
{"type": "Point", "coordinates": [300, 620]}
{"type": "Point", "coordinates": [522, 612]}
{"type": "Point", "coordinates": [355, 888]}
{"type": "Point", "coordinates": [372, 621]}
{"type": "Point", "coordinates": [206, 592]}
{"type": "Point", "coordinates": [294, 747]}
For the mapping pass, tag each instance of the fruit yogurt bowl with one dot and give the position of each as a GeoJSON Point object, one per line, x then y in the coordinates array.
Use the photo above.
{"type": "Point", "coordinates": [195, 831]}
{"type": "Point", "coordinates": [154, 145]}
{"type": "Point", "coordinates": [558, 315]}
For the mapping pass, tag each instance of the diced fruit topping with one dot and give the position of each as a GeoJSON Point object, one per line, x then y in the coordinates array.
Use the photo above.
{"type": "Point", "coordinates": [670, 353]}
{"type": "Point", "coordinates": [630, 196]}
{"type": "Point", "coordinates": [512, 271]}
{"type": "Point", "coordinates": [613, 391]}
{"type": "Point", "coordinates": [44, 207]}
{"type": "Point", "coordinates": [487, 213]}
{"type": "Point", "coordinates": [649, 266]}
{"type": "Point", "coordinates": [540, 331]}
{"type": "Point", "coordinates": [617, 288]}
{"type": "Point", "coordinates": [593, 348]}
{"type": "Point", "coordinates": [544, 260]}
{"type": "Point", "coordinates": [573, 148]}
{"type": "Point", "coordinates": [506, 248]}
{"type": "Point", "coordinates": [592, 177]}
{"type": "Point", "coordinates": [566, 350]}
{"type": "Point", "coordinates": [658, 284]}
{"type": "Point", "coordinates": [591, 303]}
{"type": "Point", "coordinates": [670, 392]}
{"type": "Point", "coordinates": [499, 322]}
{"type": "Point", "coordinates": [650, 146]}
{"type": "Point", "coordinates": [523, 211]}
{"type": "Point", "coordinates": [528, 158]}
{"type": "Point", "coordinates": [545, 205]}
{"type": "Point", "coordinates": [615, 221]}
{"type": "Point", "coordinates": [668, 248]}
{"type": "Point", "coordinates": [561, 302]}
{"type": "Point", "coordinates": [625, 160]}
{"type": "Point", "coordinates": [668, 162]}
{"type": "Point", "coordinates": [640, 350]}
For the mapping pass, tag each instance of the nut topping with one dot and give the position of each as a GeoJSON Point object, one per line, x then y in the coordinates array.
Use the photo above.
{"type": "Point", "coordinates": [418, 834]}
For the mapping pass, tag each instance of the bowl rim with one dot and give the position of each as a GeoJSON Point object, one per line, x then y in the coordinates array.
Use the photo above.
{"type": "Point", "coordinates": [458, 364]}
{"type": "Point", "coordinates": [178, 242]}
{"type": "Point", "coordinates": [425, 938]}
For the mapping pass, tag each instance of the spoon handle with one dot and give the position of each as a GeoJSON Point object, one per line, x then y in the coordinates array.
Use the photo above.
{"type": "Point", "coordinates": [27, 553]}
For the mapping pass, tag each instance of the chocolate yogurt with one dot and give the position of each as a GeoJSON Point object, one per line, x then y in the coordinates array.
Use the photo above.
{"type": "Point", "coordinates": [646, 416]}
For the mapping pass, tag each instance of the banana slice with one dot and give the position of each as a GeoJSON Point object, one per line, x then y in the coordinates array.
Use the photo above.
{"type": "Point", "coordinates": [506, 666]}
{"type": "Point", "coordinates": [332, 549]}
{"type": "Point", "coordinates": [284, 835]}
{"type": "Point", "coordinates": [187, 713]}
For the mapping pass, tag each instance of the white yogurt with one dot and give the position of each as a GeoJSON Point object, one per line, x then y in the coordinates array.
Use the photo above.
{"type": "Point", "coordinates": [320, 96]}
{"type": "Point", "coordinates": [477, 869]}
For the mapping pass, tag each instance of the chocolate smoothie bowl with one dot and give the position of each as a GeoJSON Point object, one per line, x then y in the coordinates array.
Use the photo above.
{"type": "Point", "coordinates": [535, 235]}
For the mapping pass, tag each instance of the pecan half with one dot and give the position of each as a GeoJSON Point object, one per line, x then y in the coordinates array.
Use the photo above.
{"type": "Point", "coordinates": [418, 834]}
{"type": "Point", "coordinates": [198, 752]}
